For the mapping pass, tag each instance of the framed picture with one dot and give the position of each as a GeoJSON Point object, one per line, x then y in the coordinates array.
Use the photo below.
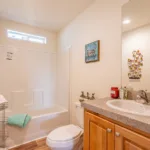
{"type": "Point", "coordinates": [92, 51]}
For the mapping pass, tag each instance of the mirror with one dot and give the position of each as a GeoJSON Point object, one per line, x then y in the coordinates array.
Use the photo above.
{"type": "Point", "coordinates": [136, 44]}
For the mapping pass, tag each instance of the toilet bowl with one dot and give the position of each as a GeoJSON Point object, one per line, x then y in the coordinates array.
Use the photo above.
{"type": "Point", "coordinates": [69, 137]}
{"type": "Point", "coordinates": [65, 138]}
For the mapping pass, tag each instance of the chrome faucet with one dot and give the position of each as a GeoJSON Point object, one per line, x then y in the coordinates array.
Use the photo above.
{"type": "Point", "coordinates": [143, 94]}
{"type": "Point", "coordinates": [93, 97]}
{"type": "Point", "coordinates": [82, 96]}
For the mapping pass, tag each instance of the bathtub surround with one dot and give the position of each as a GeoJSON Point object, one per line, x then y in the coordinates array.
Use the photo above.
{"type": "Point", "coordinates": [39, 126]}
{"type": "Point", "coordinates": [102, 20]}
{"type": "Point", "coordinates": [30, 77]}
{"type": "Point", "coordinates": [28, 83]}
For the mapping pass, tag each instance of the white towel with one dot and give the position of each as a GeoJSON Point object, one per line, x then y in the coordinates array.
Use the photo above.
{"type": "Point", "coordinates": [2, 99]}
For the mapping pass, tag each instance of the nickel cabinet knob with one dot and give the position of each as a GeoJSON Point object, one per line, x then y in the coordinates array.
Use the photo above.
{"type": "Point", "coordinates": [109, 130]}
{"type": "Point", "coordinates": [117, 134]}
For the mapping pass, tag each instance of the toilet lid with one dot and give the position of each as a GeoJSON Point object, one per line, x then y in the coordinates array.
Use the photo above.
{"type": "Point", "coordinates": [65, 133]}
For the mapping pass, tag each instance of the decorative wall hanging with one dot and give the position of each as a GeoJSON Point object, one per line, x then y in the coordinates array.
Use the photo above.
{"type": "Point", "coordinates": [92, 51]}
{"type": "Point", "coordinates": [135, 71]}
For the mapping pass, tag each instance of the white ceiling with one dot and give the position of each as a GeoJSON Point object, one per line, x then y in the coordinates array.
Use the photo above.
{"type": "Point", "coordinates": [138, 11]}
{"type": "Point", "coordinates": [48, 14]}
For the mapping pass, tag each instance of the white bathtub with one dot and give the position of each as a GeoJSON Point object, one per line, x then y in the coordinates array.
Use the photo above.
{"type": "Point", "coordinates": [43, 121]}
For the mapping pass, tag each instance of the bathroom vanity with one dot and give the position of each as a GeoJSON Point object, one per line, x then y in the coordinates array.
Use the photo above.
{"type": "Point", "coordinates": [109, 129]}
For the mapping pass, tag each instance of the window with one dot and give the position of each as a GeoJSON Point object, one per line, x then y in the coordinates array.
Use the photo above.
{"type": "Point", "coordinates": [26, 37]}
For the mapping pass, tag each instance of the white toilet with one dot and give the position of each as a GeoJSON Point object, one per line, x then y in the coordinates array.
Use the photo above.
{"type": "Point", "coordinates": [68, 137]}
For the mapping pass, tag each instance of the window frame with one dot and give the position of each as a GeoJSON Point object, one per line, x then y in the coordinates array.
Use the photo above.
{"type": "Point", "coordinates": [26, 37]}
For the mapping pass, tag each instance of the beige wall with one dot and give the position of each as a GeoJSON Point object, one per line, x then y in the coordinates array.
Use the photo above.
{"type": "Point", "coordinates": [134, 40]}
{"type": "Point", "coordinates": [124, 1]}
{"type": "Point", "coordinates": [101, 21]}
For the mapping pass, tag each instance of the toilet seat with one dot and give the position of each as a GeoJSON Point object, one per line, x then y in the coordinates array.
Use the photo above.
{"type": "Point", "coordinates": [65, 133]}
{"type": "Point", "coordinates": [65, 137]}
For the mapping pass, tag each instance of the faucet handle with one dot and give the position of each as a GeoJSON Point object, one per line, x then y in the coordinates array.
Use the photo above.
{"type": "Point", "coordinates": [82, 94]}
{"type": "Point", "coordinates": [93, 94]}
{"type": "Point", "coordinates": [88, 97]}
{"type": "Point", "coordinates": [93, 97]}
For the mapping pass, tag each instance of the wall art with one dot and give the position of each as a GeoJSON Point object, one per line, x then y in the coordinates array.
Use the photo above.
{"type": "Point", "coordinates": [135, 65]}
{"type": "Point", "coordinates": [92, 52]}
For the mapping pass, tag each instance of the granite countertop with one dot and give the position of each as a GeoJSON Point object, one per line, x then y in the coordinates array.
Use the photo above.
{"type": "Point", "coordinates": [99, 106]}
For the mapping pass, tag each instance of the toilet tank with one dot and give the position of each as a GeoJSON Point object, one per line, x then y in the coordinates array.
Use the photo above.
{"type": "Point", "coordinates": [79, 114]}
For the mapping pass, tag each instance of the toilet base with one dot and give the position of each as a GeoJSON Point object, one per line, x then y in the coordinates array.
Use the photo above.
{"type": "Point", "coordinates": [78, 146]}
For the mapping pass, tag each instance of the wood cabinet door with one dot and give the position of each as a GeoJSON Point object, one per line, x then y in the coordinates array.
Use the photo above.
{"type": "Point", "coordinates": [128, 140]}
{"type": "Point", "coordinates": [98, 133]}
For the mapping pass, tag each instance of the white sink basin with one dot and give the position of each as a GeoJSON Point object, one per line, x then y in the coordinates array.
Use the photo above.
{"type": "Point", "coordinates": [129, 106]}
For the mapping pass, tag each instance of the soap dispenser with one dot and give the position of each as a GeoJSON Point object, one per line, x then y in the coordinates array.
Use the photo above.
{"type": "Point", "coordinates": [125, 93]}
{"type": "Point", "coordinates": [121, 93]}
